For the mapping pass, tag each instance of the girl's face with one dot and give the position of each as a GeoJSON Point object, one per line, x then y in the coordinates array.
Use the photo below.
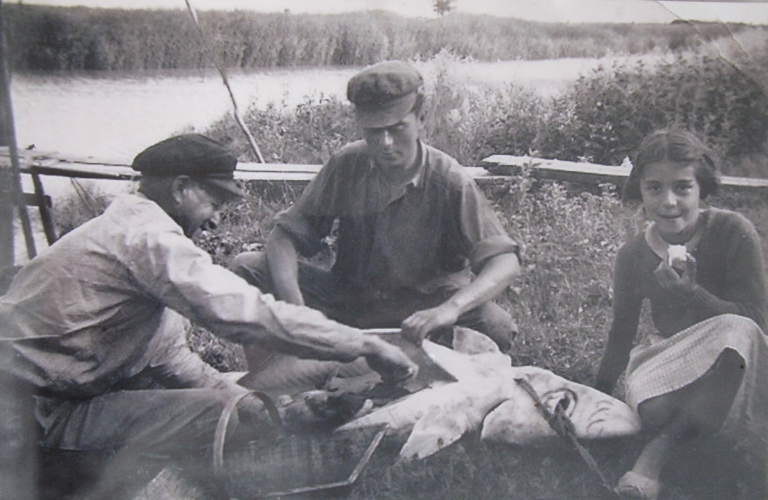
{"type": "Point", "coordinates": [670, 194]}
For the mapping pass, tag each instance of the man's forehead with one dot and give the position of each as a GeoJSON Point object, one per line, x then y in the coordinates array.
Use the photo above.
{"type": "Point", "coordinates": [401, 123]}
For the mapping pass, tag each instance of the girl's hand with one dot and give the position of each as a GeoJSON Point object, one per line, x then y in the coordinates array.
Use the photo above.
{"type": "Point", "coordinates": [683, 282]}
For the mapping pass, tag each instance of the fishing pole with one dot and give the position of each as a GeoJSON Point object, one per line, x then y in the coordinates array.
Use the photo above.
{"type": "Point", "coordinates": [212, 55]}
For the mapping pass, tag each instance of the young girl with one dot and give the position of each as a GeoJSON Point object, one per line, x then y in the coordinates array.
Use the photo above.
{"type": "Point", "coordinates": [702, 271]}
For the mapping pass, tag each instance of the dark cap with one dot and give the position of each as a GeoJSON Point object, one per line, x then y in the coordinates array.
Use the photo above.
{"type": "Point", "coordinates": [384, 94]}
{"type": "Point", "coordinates": [194, 155]}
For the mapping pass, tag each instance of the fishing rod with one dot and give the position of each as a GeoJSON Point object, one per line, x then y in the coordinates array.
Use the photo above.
{"type": "Point", "coordinates": [212, 55]}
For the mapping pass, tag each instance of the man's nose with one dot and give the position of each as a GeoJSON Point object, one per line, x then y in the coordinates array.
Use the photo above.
{"type": "Point", "coordinates": [386, 138]}
{"type": "Point", "coordinates": [213, 222]}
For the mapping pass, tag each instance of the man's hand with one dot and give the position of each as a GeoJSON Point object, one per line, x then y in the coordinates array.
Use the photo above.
{"type": "Point", "coordinates": [420, 324]}
{"type": "Point", "coordinates": [389, 361]}
{"type": "Point", "coordinates": [670, 279]}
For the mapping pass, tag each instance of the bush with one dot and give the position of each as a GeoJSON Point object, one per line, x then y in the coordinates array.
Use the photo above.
{"type": "Point", "coordinates": [607, 113]}
{"type": "Point", "coordinates": [84, 204]}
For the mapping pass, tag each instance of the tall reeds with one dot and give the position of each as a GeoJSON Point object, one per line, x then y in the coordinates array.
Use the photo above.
{"type": "Point", "coordinates": [54, 38]}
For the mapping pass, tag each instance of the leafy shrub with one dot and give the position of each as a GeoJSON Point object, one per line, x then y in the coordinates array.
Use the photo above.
{"type": "Point", "coordinates": [600, 118]}
{"type": "Point", "coordinates": [608, 112]}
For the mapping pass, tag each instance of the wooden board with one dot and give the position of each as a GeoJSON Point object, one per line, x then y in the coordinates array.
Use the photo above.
{"type": "Point", "coordinates": [586, 172]}
{"type": "Point", "coordinates": [492, 168]}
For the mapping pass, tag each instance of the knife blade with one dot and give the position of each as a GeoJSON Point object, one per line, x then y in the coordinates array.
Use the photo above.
{"type": "Point", "coordinates": [429, 371]}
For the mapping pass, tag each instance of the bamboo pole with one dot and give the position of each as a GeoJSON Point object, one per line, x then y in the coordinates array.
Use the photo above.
{"type": "Point", "coordinates": [212, 55]}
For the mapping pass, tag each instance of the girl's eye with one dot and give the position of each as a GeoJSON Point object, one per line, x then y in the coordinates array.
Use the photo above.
{"type": "Point", "coordinates": [683, 188]}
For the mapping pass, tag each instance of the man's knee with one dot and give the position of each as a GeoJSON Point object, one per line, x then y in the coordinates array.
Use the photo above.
{"type": "Point", "coordinates": [252, 267]}
{"type": "Point", "coordinates": [493, 321]}
{"type": "Point", "coordinates": [497, 324]}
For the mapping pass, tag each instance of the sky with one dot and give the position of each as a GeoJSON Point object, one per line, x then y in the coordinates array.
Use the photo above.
{"type": "Point", "coordinates": [574, 11]}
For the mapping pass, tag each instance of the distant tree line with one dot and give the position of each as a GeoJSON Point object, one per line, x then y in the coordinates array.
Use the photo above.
{"type": "Point", "coordinates": [76, 38]}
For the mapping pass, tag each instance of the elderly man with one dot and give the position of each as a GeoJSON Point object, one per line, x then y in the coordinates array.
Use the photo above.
{"type": "Point", "coordinates": [96, 323]}
{"type": "Point", "coordinates": [413, 227]}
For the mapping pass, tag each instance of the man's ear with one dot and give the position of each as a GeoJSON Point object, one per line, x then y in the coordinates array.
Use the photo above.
{"type": "Point", "coordinates": [422, 120]}
{"type": "Point", "coordinates": [179, 187]}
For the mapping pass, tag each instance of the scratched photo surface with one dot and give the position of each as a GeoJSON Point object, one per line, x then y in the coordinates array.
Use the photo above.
{"type": "Point", "coordinates": [542, 103]}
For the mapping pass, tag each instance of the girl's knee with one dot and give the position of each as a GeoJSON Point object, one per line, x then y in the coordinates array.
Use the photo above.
{"type": "Point", "coordinates": [656, 412]}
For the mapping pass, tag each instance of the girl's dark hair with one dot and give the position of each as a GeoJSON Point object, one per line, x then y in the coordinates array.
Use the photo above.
{"type": "Point", "coordinates": [678, 146]}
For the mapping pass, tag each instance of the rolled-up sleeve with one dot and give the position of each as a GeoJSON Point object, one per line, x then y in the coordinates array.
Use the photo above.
{"type": "Point", "coordinates": [482, 231]}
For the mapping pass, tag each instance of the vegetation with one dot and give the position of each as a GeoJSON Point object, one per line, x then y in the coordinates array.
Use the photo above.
{"type": "Point", "coordinates": [54, 38]}
{"type": "Point", "coordinates": [443, 7]}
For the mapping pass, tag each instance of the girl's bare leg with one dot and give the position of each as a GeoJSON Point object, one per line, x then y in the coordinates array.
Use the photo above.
{"type": "Point", "coordinates": [698, 407]}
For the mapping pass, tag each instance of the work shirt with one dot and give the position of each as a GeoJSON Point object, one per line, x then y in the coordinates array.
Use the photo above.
{"type": "Point", "coordinates": [424, 234]}
{"type": "Point", "coordinates": [81, 319]}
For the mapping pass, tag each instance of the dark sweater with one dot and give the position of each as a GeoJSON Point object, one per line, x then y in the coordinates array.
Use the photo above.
{"type": "Point", "coordinates": [730, 276]}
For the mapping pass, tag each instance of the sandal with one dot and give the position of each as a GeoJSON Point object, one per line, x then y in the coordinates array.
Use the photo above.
{"type": "Point", "coordinates": [634, 485]}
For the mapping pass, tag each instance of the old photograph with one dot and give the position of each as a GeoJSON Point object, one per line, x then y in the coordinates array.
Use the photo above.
{"type": "Point", "coordinates": [383, 249]}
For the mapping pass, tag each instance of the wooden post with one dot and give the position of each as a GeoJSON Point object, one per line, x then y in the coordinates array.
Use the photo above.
{"type": "Point", "coordinates": [45, 211]}
{"type": "Point", "coordinates": [10, 192]}
{"type": "Point", "coordinates": [6, 184]}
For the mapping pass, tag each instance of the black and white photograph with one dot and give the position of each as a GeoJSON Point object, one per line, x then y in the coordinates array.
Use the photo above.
{"type": "Point", "coordinates": [383, 250]}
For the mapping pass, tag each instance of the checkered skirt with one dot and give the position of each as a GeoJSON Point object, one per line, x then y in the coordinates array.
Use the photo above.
{"type": "Point", "coordinates": [659, 366]}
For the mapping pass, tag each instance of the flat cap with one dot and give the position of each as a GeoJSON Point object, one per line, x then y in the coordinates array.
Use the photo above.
{"type": "Point", "coordinates": [195, 155]}
{"type": "Point", "coordinates": [384, 93]}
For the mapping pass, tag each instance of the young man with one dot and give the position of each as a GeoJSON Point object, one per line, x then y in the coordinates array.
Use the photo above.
{"type": "Point", "coordinates": [96, 323]}
{"type": "Point", "coordinates": [413, 228]}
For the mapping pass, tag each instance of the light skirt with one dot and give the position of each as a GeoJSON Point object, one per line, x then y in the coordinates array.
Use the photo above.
{"type": "Point", "coordinates": [661, 366]}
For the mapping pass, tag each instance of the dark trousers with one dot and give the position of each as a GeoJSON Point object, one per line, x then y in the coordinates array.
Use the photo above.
{"type": "Point", "coordinates": [370, 308]}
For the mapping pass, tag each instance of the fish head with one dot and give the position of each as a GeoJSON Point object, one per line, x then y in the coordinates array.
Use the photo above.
{"type": "Point", "coordinates": [593, 414]}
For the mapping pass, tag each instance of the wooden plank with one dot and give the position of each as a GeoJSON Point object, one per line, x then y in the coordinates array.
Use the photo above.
{"type": "Point", "coordinates": [493, 168]}
{"type": "Point", "coordinates": [49, 164]}
{"type": "Point", "coordinates": [586, 172]}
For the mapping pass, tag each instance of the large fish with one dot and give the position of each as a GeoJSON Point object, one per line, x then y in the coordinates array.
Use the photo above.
{"type": "Point", "coordinates": [486, 394]}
